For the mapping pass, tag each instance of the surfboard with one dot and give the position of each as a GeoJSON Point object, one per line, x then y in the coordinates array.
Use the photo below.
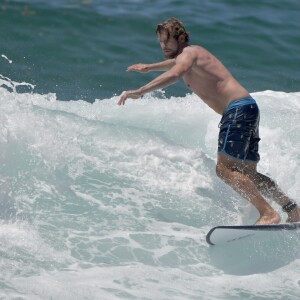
{"type": "Point", "coordinates": [221, 235]}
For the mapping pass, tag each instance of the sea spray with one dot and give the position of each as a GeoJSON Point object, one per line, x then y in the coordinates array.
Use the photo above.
{"type": "Point", "coordinates": [118, 200]}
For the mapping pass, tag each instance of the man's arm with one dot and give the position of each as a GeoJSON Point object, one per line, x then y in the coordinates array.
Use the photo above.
{"type": "Point", "coordinates": [160, 66]}
{"type": "Point", "coordinates": [183, 64]}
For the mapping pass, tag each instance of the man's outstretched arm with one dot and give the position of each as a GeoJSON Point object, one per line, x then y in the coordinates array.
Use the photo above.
{"type": "Point", "coordinates": [160, 66]}
{"type": "Point", "coordinates": [183, 64]}
{"type": "Point", "coordinates": [159, 82]}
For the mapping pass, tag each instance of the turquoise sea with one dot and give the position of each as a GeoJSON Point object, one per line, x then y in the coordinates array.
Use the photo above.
{"type": "Point", "coordinates": [105, 202]}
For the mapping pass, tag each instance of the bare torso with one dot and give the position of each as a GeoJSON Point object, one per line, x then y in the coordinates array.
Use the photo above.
{"type": "Point", "coordinates": [211, 81]}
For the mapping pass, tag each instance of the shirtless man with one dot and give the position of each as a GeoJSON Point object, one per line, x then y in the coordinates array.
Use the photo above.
{"type": "Point", "coordinates": [238, 141]}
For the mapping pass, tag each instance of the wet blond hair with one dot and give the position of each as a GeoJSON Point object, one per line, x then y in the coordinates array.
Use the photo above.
{"type": "Point", "coordinates": [174, 28]}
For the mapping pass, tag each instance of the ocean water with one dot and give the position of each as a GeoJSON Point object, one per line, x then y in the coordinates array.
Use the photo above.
{"type": "Point", "coordinates": [99, 201]}
{"type": "Point", "coordinates": [80, 49]}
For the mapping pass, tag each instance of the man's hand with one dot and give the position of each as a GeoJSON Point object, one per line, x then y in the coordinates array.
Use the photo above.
{"type": "Point", "coordinates": [142, 68]}
{"type": "Point", "coordinates": [135, 94]}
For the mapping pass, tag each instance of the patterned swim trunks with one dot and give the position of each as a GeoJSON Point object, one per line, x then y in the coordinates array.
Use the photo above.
{"type": "Point", "coordinates": [239, 134]}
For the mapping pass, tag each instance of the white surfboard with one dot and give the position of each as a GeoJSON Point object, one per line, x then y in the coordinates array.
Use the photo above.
{"type": "Point", "coordinates": [227, 234]}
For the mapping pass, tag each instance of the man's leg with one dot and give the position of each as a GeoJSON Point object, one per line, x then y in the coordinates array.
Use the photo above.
{"type": "Point", "coordinates": [230, 170]}
{"type": "Point", "coordinates": [269, 188]}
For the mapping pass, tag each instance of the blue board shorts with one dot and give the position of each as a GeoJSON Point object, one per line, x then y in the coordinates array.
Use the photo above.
{"type": "Point", "coordinates": [239, 134]}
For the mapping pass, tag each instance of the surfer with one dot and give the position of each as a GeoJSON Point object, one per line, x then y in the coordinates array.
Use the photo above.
{"type": "Point", "coordinates": [238, 138]}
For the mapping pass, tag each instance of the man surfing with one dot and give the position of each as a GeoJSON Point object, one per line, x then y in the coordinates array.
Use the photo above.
{"type": "Point", "coordinates": [238, 138]}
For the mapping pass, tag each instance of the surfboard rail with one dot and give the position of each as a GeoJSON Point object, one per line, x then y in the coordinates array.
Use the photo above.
{"type": "Point", "coordinates": [231, 233]}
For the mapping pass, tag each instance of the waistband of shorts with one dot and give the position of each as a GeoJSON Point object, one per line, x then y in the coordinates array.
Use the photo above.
{"type": "Point", "coordinates": [240, 102]}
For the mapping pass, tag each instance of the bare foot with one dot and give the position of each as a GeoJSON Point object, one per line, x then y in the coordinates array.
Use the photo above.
{"type": "Point", "coordinates": [273, 218]}
{"type": "Point", "coordinates": [294, 215]}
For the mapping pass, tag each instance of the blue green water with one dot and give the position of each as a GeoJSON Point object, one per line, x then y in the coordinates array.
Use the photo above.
{"type": "Point", "coordinates": [99, 201]}
{"type": "Point", "coordinates": [81, 49]}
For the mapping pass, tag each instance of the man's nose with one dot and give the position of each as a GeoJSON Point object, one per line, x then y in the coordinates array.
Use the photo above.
{"type": "Point", "coordinates": [163, 45]}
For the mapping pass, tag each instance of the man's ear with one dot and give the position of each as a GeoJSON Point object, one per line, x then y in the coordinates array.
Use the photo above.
{"type": "Point", "coordinates": [181, 39]}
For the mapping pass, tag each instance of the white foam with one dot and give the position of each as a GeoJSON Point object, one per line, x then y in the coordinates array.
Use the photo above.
{"type": "Point", "coordinates": [122, 197]}
{"type": "Point", "coordinates": [5, 57]}
{"type": "Point", "coordinates": [147, 282]}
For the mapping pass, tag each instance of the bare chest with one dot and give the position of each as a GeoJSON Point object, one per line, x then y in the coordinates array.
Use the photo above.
{"type": "Point", "coordinates": [194, 81]}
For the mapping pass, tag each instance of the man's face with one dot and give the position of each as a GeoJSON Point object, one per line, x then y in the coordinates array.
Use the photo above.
{"type": "Point", "coordinates": [169, 45]}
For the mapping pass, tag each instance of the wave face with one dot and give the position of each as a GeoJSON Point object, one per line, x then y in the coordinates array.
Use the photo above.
{"type": "Point", "coordinates": [106, 202]}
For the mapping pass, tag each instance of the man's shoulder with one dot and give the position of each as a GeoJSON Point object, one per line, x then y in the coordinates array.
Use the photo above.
{"type": "Point", "coordinates": [196, 49]}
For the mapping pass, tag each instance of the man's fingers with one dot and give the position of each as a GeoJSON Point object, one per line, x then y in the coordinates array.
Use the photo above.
{"type": "Point", "coordinates": [121, 101]}
{"type": "Point", "coordinates": [123, 98]}
{"type": "Point", "coordinates": [137, 68]}
{"type": "Point", "coordinates": [132, 68]}
{"type": "Point", "coordinates": [127, 95]}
